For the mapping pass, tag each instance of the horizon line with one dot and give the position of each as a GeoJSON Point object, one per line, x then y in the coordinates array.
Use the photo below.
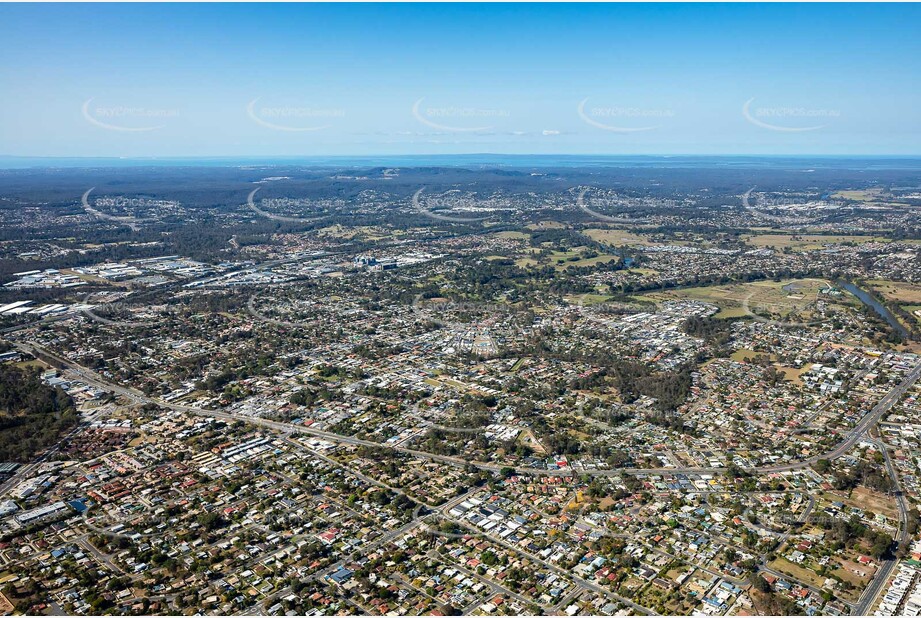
{"type": "Point", "coordinates": [486, 155]}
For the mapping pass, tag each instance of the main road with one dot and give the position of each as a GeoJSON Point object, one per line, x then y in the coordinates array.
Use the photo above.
{"type": "Point", "coordinates": [851, 438]}
{"type": "Point", "coordinates": [871, 592]}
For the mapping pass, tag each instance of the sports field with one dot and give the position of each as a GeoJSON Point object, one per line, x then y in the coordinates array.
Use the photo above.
{"type": "Point", "coordinates": [780, 300]}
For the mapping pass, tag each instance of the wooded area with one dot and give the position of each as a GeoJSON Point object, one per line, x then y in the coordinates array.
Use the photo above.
{"type": "Point", "coordinates": [32, 414]}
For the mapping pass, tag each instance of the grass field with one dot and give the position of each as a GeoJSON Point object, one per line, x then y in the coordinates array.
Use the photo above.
{"type": "Point", "coordinates": [612, 236]}
{"type": "Point", "coordinates": [861, 195]}
{"type": "Point", "coordinates": [527, 438]}
{"type": "Point", "coordinates": [744, 355]}
{"type": "Point", "coordinates": [525, 262]}
{"type": "Point", "coordinates": [618, 237]}
{"type": "Point", "coordinates": [907, 295]}
{"type": "Point", "coordinates": [763, 297]}
{"type": "Point", "coordinates": [587, 299]}
{"type": "Point", "coordinates": [562, 260]}
{"type": "Point", "coordinates": [513, 234]}
{"type": "Point", "coordinates": [29, 364]}
{"type": "Point", "coordinates": [728, 313]}
{"type": "Point", "coordinates": [846, 573]}
{"type": "Point", "coordinates": [546, 225]}
{"type": "Point", "coordinates": [901, 292]}
{"type": "Point", "coordinates": [792, 374]}
{"type": "Point", "coordinates": [600, 259]}
{"type": "Point", "coordinates": [801, 573]}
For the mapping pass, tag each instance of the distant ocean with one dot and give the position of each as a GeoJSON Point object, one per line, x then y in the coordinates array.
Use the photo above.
{"type": "Point", "coordinates": [805, 162]}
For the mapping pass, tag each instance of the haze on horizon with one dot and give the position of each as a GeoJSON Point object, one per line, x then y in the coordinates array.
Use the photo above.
{"type": "Point", "coordinates": [363, 80]}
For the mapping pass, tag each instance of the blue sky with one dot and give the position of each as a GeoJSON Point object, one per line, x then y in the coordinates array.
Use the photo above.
{"type": "Point", "coordinates": [316, 80]}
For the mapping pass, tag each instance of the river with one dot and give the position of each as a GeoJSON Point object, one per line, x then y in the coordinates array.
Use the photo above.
{"type": "Point", "coordinates": [874, 304]}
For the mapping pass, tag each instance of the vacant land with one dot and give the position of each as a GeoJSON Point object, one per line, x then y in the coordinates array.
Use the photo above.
{"type": "Point", "coordinates": [849, 572]}
{"type": "Point", "coordinates": [801, 573]}
{"type": "Point", "coordinates": [618, 237]}
{"type": "Point", "coordinates": [860, 195]}
{"type": "Point", "coordinates": [873, 501]}
{"type": "Point", "coordinates": [546, 225]}
{"type": "Point", "coordinates": [899, 291]}
{"type": "Point", "coordinates": [513, 234]}
{"type": "Point", "coordinates": [588, 299]}
{"type": "Point", "coordinates": [792, 374]}
{"type": "Point", "coordinates": [797, 242]}
{"type": "Point", "coordinates": [746, 355]}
